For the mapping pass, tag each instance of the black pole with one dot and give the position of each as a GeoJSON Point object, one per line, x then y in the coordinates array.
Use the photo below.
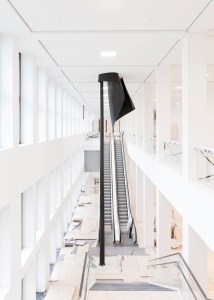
{"type": "Point", "coordinates": [102, 232]}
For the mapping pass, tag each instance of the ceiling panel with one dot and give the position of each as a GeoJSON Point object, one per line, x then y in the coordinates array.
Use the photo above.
{"type": "Point", "coordinates": [109, 15]}
{"type": "Point", "coordinates": [131, 48]}
{"type": "Point", "coordinates": [77, 74]}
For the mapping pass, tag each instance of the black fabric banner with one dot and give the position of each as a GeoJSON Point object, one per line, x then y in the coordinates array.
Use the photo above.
{"type": "Point", "coordinates": [120, 102]}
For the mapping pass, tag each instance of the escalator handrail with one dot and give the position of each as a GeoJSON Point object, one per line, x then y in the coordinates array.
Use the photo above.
{"type": "Point", "coordinates": [115, 213]}
{"type": "Point", "coordinates": [111, 178]}
{"type": "Point", "coordinates": [130, 224]}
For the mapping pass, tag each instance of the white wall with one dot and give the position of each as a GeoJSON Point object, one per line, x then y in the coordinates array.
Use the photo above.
{"type": "Point", "coordinates": [26, 170]}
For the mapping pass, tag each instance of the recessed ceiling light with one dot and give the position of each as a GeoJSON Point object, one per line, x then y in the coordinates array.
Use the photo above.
{"type": "Point", "coordinates": [179, 88]}
{"type": "Point", "coordinates": [207, 74]}
{"type": "Point", "coordinates": [154, 100]}
{"type": "Point", "coordinates": [108, 53]}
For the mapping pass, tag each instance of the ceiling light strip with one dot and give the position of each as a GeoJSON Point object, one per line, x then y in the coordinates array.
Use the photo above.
{"type": "Point", "coordinates": [101, 66]}
{"type": "Point", "coordinates": [51, 56]}
{"type": "Point", "coordinates": [19, 15]}
{"type": "Point", "coordinates": [206, 6]}
{"type": "Point", "coordinates": [108, 31]}
{"type": "Point", "coordinates": [74, 88]}
{"type": "Point", "coordinates": [158, 65]}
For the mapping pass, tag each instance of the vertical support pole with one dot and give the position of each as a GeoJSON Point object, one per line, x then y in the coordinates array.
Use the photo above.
{"type": "Point", "coordinates": [102, 233]}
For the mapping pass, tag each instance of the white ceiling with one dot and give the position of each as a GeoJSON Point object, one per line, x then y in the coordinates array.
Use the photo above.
{"type": "Point", "coordinates": [68, 36]}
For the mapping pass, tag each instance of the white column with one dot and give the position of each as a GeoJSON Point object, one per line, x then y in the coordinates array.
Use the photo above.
{"type": "Point", "coordinates": [9, 90]}
{"type": "Point", "coordinates": [29, 283]}
{"type": "Point", "coordinates": [16, 248]}
{"type": "Point", "coordinates": [5, 246]}
{"type": "Point", "coordinates": [193, 98]}
{"type": "Point", "coordinates": [148, 212]}
{"type": "Point", "coordinates": [195, 254]}
{"type": "Point", "coordinates": [139, 119]}
{"type": "Point", "coordinates": [147, 115]}
{"type": "Point", "coordinates": [139, 195]}
{"type": "Point", "coordinates": [59, 233]}
{"type": "Point", "coordinates": [163, 223]}
{"type": "Point", "coordinates": [163, 109]}
{"type": "Point", "coordinates": [52, 246]}
{"type": "Point", "coordinates": [28, 218]}
{"type": "Point", "coordinates": [41, 269]}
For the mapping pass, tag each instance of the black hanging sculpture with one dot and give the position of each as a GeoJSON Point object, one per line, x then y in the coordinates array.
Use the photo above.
{"type": "Point", "coordinates": [120, 104]}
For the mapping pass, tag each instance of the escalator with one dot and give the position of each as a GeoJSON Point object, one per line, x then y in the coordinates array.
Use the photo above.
{"type": "Point", "coordinates": [118, 220]}
{"type": "Point", "coordinates": [121, 188]}
{"type": "Point", "coordinates": [107, 186]}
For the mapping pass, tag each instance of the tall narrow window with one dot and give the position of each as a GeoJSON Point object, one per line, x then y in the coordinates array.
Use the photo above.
{"type": "Point", "coordinates": [27, 97]}
{"type": "Point", "coordinates": [20, 95]}
{"type": "Point", "coordinates": [65, 108]}
{"type": "Point", "coordinates": [41, 104]}
{"type": "Point", "coordinates": [58, 112]}
{"type": "Point", "coordinates": [51, 110]}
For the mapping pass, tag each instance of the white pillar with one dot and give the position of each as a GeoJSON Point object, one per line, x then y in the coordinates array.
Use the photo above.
{"type": "Point", "coordinates": [41, 275]}
{"type": "Point", "coordinates": [163, 223]}
{"type": "Point", "coordinates": [163, 110]}
{"type": "Point", "coordinates": [5, 246]}
{"type": "Point", "coordinates": [147, 115]}
{"type": "Point", "coordinates": [195, 254]}
{"type": "Point", "coordinates": [139, 119]}
{"type": "Point", "coordinates": [193, 98]}
{"type": "Point", "coordinates": [9, 91]}
{"type": "Point", "coordinates": [16, 248]}
{"type": "Point", "coordinates": [59, 233]}
{"type": "Point", "coordinates": [28, 218]}
{"type": "Point", "coordinates": [139, 195]}
{"type": "Point", "coordinates": [53, 246]}
{"type": "Point", "coordinates": [148, 212]}
{"type": "Point", "coordinates": [29, 283]}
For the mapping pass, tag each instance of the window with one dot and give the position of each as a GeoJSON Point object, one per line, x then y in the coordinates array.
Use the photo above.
{"type": "Point", "coordinates": [41, 104]}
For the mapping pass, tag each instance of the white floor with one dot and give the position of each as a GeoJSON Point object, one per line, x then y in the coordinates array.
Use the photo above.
{"type": "Point", "coordinates": [66, 276]}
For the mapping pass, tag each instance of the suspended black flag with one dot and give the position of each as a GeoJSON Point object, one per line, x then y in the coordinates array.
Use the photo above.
{"type": "Point", "coordinates": [120, 102]}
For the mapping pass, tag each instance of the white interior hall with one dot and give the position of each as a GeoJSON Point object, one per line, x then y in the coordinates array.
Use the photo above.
{"type": "Point", "coordinates": [158, 160]}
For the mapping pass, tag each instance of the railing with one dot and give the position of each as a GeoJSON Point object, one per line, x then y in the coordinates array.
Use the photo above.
{"type": "Point", "coordinates": [92, 135]}
{"type": "Point", "coordinates": [130, 226]}
{"type": "Point", "coordinates": [205, 164]}
{"type": "Point", "coordinates": [83, 275]}
{"type": "Point", "coordinates": [87, 279]}
{"type": "Point", "coordinates": [114, 204]}
{"type": "Point", "coordinates": [172, 270]}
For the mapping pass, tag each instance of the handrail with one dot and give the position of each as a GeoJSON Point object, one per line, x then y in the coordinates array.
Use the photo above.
{"type": "Point", "coordinates": [112, 213]}
{"type": "Point", "coordinates": [116, 228]}
{"type": "Point", "coordinates": [83, 275]}
{"type": "Point", "coordinates": [186, 265]}
{"type": "Point", "coordinates": [130, 224]}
